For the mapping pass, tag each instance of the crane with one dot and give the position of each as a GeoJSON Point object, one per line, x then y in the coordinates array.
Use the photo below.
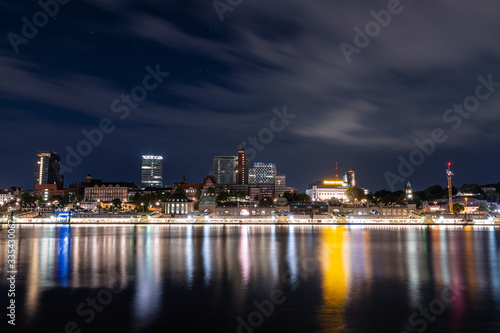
{"type": "Point", "coordinates": [450, 192]}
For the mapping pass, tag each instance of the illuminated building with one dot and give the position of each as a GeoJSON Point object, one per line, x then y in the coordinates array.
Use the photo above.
{"type": "Point", "coordinates": [225, 169]}
{"type": "Point", "coordinates": [327, 190]}
{"type": "Point", "coordinates": [262, 173]}
{"type": "Point", "coordinates": [47, 191]}
{"type": "Point", "coordinates": [350, 178]}
{"type": "Point", "coordinates": [152, 171]}
{"type": "Point", "coordinates": [106, 192]}
{"type": "Point", "coordinates": [396, 211]}
{"type": "Point", "coordinates": [409, 192]}
{"type": "Point", "coordinates": [177, 204]}
{"type": "Point", "coordinates": [47, 169]}
{"type": "Point", "coordinates": [242, 166]}
{"type": "Point", "coordinates": [279, 185]}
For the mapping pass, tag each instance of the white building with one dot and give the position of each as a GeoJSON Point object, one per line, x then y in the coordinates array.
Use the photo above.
{"type": "Point", "coordinates": [327, 190]}
{"type": "Point", "coordinates": [5, 197]}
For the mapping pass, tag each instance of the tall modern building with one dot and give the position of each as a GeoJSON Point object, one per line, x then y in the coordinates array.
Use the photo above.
{"type": "Point", "coordinates": [262, 173]}
{"type": "Point", "coordinates": [152, 171]}
{"type": "Point", "coordinates": [350, 178]}
{"type": "Point", "coordinates": [242, 166]}
{"type": "Point", "coordinates": [225, 169]}
{"type": "Point", "coordinates": [279, 185]}
{"type": "Point", "coordinates": [47, 169]}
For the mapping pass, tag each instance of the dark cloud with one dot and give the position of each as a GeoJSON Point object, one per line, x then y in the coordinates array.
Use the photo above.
{"type": "Point", "coordinates": [226, 78]}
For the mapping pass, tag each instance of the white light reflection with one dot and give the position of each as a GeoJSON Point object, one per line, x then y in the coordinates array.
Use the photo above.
{"type": "Point", "coordinates": [244, 255]}
{"type": "Point", "coordinates": [443, 243]}
{"type": "Point", "coordinates": [148, 288]}
{"type": "Point", "coordinates": [494, 266]}
{"type": "Point", "coordinates": [273, 254]}
{"type": "Point", "coordinates": [412, 266]}
{"type": "Point", "coordinates": [207, 256]}
{"type": "Point", "coordinates": [189, 256]}
{"type": "Point", "coordinates": [292, 256]}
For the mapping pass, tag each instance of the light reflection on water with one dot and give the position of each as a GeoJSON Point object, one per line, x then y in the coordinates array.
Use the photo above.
{"type": "Point", "coordinates": [363, 278]}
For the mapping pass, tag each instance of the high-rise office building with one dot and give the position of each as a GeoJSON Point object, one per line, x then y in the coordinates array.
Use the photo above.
{"type": "Point", "coordinates": [350, 178]}
{"type": "Point", "coordinates": [262, 173]}
{"type": "Point", "coordinates": [279, 185]}
{"type": "Point", "coordinates": [242, 166]}
{"type": "Point", "coordinates": [152, 171]}
{"type": "Point", "coordinates": [47, 169]}
{"type": "Point", "coordinates": [225, 169]}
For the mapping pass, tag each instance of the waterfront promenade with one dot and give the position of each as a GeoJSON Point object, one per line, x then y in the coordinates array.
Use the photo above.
{"type": "Point", "coordinates": [143, 219]}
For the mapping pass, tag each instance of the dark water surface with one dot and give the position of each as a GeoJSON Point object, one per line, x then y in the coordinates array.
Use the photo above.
{"type": "Point", "coordinates": [254, 279]}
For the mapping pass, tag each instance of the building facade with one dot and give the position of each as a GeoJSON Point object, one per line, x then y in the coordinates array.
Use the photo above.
{"type": "Point", "coordinates": [48, 191]}
{"type": "Point", "coordinates": [152, 171]}
{"type": "Point", "coordinates": [47, 169]}
{"type": "Point", "coordinates": [177, 204]}
{"type": "Point", "coordinates": [225, 169]}
{"type": "Point", "coordinates": [262, 173]}
{"type": "Point", "coordinates": [242, 173]}
{"type": "Point", "coordinates": [389, 212]}
{"type": "Point", "coordinates": [107, 192]}
{"type": "Point", "coordinates": [279, 185]}
{"type": "Point", "coordinates": [409, 192]}
{"type": "Point", "coordinates": [327, 190]}
{"type": "Point", "coordinates": [350, 178]}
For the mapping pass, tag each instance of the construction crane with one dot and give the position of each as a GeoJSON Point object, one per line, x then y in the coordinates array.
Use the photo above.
{"type": "Point", "coordinates": [450, 192]}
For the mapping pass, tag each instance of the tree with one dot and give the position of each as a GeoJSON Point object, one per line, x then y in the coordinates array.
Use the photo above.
{"type": "Point", "coordinates": [198, 193]}
{"type": "Point", "coordinates": [483, 208]}
{"type": "Point", "coordinates": [222, 196]}
{"type": "Point", "coordinates": [471, 188]}
{"type": "Point", "coordinates": [211, 191]}
{"type": "Point", "coordinates": [457, 208]}
{"type": "Point", "coordinates": [289, 196]}
{"type": "Point", "coordinates": [26, 197]}
{"type": "Point", "coordinates": [303, 197]}
{"type": "Point", "coordinates": [354, 193]}
{"type": "Point", "coordinates": [117, 203]}
{"type": "Point", "coordinates": [180, 190]}
{"type": "Point", "coordinates": [266, 202]}
{"type": "Point", "coordinates": [492, 196]}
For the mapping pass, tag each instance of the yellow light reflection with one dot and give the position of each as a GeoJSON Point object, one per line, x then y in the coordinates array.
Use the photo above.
{"type": "Point", "coordinates": [335, 264]}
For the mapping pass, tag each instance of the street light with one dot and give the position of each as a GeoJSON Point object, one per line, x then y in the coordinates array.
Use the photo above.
{"type": "Point", "coordinates": [142, 204]}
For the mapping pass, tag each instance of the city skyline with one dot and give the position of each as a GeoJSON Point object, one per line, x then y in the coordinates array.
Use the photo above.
{"type": "Point", "coordinates": [334, 174]}
{"type": "Point", "coordinates": [209, 85]}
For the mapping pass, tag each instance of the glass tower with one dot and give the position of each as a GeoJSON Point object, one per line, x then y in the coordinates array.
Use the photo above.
{"type": "Point", "coordinates": [152, 171]}
{"type": "Point", "coordinates": [262, 173]}
{"type": "Point", "coordinates": [226, 169]}
{"type": "Point", "coordinates": [47, 169]}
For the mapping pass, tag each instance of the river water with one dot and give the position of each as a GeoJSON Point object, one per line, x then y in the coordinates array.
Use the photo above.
{"type": "Point", "coordinates": [253, 278]}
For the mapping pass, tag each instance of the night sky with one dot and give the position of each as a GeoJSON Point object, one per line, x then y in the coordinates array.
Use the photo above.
{"type": "Point", "coordinates": [226, 78]}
